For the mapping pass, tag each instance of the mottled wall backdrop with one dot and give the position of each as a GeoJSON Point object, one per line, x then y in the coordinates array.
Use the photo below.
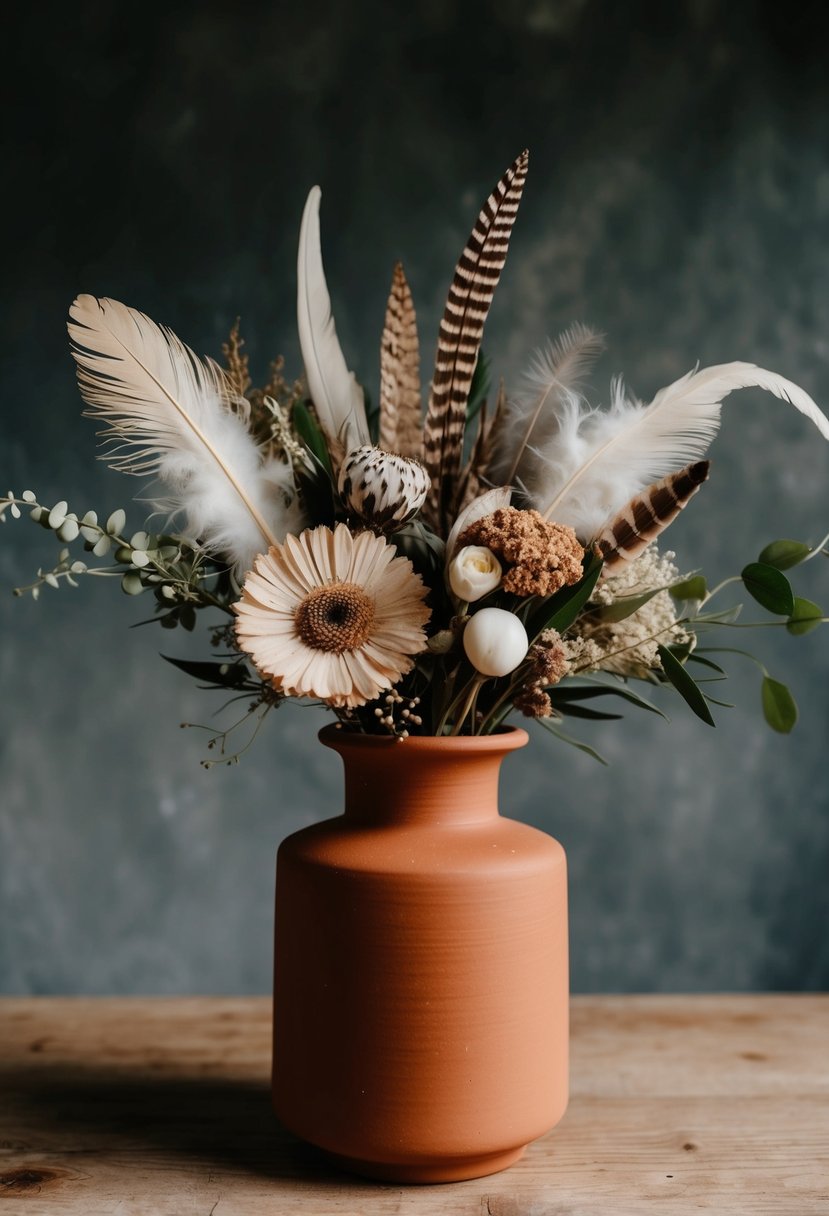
{"type": "Point", "coordinates": [678, 199]}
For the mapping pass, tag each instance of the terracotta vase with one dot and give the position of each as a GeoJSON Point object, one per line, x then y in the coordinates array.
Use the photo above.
{"type": "Point", "coordinates": [421, 982]}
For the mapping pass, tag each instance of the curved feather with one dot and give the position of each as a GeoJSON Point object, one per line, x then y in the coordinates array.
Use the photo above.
{"type": "Point", "coordinates": [167, 413]}
{"type": "Point", "coordinates": [602, 458]}
{"type": "Point", "coordinates": [334, 391]}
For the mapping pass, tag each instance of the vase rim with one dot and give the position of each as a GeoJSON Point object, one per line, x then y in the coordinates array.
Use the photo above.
{"type": "Point", "coordinates": [505, 739]}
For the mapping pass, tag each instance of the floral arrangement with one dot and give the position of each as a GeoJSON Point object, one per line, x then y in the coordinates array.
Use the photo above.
{"type": "Point", "coordinates": [415, 574]}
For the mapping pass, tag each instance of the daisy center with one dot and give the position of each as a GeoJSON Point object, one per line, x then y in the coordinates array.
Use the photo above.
{"type": "Point", "coordinates": [335, 618]}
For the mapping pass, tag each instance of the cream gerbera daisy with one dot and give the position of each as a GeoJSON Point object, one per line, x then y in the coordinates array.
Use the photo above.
{"type": "Point", "coordinates": [332, 615]}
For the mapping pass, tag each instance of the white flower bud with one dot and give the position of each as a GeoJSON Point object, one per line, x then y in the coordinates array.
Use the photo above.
{"type": "Point", "coordinates": [474, 572]}
{"type": "Point", "coordinates": [495, 641]}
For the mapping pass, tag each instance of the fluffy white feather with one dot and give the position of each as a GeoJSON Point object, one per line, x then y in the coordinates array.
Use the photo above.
{"type": "Point", "coordinates": [532, 421]}
{"type": "Point", "coordinates": [596, 460]}
{"type": "Point", "coordinates": [337, 397]}
{"type": "Point", "coordinates": [167, 414]}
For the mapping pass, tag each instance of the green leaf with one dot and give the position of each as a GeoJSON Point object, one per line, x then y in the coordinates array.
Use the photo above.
{"type": "Point", "coordinates": [779, 707]}
{"type": "Point", "coordinates": [694, 657]}
{"type": "Point", "coordinates": [316, 492]}
{"type": "Point", "coordinates": [805, 617]}
{"type": "Point", "coordinates": [219, 675]}
{"type": "Point", "coordinates": [726, 617]}
{"type": "Point", "coordinates": [563, 694]}
{"type": "Point", "coordinates": [625, 606]}
{"type": "Point", "coordinates": [560, 610]}
{"type": "Point", "coordinates": [582, 711]}
{"type": "Point", "coordinates": [310, 432]}
{"type": "Point", "coordinates": [694, 588]}
{"type": "Point", "coordinates": [769, 587]}
{"type": "Point", "coordinates": [783, 554]}
{"type": "Point", "coordinates": [577, 743]}
{"type": "Point", "coordinates": [684, 684]}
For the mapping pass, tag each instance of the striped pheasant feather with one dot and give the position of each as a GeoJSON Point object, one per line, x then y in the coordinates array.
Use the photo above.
{"type": "Point", "coordinates": [400, 425]}
{"type": "Point", "coordinates": [648, 514]}
{"type": "Point", "coordinates": [461, 329]}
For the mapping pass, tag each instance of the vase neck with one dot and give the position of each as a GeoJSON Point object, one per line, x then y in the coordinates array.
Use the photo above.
{"type": "Point", "coordinates": [422, 780]}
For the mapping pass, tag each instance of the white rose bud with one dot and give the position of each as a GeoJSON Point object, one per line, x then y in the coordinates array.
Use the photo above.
{"type": "Point", "coordinates": [474, 572]}
{"type": "Point", "coordinates": [495, 641]}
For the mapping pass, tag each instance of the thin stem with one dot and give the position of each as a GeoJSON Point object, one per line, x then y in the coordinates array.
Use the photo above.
{"type": "Point", "coordinates": [446, 714]}
{"type": "Point", "coordinates": [746, 654]}
{"type": "Point", "coordinates": [506, 696]}
{"type": "Point", "coordinates": [818, 549]}
{"type": "Point", "coordinates": [817, 620]}
{"type": "Point", "coordinates": [612, 654]}
{"type": "Point", "coordinates": [735, 578]}
{"type": "Point", "coordinates": [468, 704]}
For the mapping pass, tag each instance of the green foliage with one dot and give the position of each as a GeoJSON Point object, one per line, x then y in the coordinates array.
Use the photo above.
{"type": "Point", "coordinates": [805, 617]}
{"type": "Point", "coordinates": [779, 707]}
{"type": "Point", "coordinates": [694, 588]}
{"type": "Point", "coordinates": [562, 695]}
{"type": "Point", "coordinates": [310, 432]}
{"type": "Point", "coordinates": [783, 554]}
{"type": "Point", "coordinates": [561, 610]}
{"type": "Point", "coordinates": [550, 726]}
{"type": "Point", "coordinates": [769, 587]}
{"type": "Point", "coordinates": [685, 685]}
{"type": "Point", "coordinates": [624, 606]}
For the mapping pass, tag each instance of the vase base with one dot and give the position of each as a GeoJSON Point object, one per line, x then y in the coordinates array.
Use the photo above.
{"type": "Point", "coordinates": [449, 1169]}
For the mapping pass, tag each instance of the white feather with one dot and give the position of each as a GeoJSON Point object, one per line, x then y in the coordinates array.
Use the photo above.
{"type": "Point", "coordinates": [597, 460]}
{"type": "Point", "coordinates": [167, 413]}
{"type": "Point", "coordinates": [532, 419]}
{"type": "Point", "coordinates": [337, 397]}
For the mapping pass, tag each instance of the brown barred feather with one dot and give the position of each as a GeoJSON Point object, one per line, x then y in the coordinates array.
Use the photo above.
{"type": "Point", "coordinates": [459, 341]}
{"type": "Point", "coordinates": [400, 425]}
{"type": "Point", "coordinates": [648, 514]}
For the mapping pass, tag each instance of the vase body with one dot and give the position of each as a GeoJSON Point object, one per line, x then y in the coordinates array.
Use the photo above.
{"type": "Point", "coordinates": [421, 974]}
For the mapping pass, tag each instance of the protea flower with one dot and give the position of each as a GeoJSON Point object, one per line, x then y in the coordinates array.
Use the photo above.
{"type": "Point", "coordinates": [382, 489]}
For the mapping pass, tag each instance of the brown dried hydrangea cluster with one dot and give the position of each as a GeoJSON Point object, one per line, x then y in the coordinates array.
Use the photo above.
{"type": "Point", "coordinates": [540, 557]}
{"type": "Point", "coordinates": [548, 664]}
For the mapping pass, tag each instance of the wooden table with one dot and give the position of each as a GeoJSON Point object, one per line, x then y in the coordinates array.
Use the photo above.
{"type": "Point", "coordinates": [142, 1107]}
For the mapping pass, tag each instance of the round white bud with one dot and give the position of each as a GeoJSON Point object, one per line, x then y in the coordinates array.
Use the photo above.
{"type": "Point", "coordinates": [495, 641]}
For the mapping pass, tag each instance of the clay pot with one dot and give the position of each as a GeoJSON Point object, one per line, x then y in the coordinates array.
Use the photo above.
{"type": "Point", "coordinates": [421, 983]}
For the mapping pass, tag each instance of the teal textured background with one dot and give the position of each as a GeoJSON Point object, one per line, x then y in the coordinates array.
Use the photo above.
{"type": "Point", "coordinates": [678, 199]}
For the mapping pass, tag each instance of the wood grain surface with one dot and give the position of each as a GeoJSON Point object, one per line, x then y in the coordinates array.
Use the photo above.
{"type": "Point", "coordinates": [144, 1107]}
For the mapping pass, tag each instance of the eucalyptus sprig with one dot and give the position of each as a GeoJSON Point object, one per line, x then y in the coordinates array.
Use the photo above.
{"type": "Point", "coordinates": [183, 576]}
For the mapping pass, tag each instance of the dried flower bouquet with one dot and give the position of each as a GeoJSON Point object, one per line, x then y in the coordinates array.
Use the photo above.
{"type": "Point", "coordinates": [416, 574]}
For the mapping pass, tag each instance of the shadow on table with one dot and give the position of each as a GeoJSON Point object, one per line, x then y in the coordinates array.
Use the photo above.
{"type": "Point", "coordinates": [226, 1123]}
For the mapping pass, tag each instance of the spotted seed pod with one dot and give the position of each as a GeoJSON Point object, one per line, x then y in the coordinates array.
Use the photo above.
{"type": "Point", "coordinates": [381, 489]}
